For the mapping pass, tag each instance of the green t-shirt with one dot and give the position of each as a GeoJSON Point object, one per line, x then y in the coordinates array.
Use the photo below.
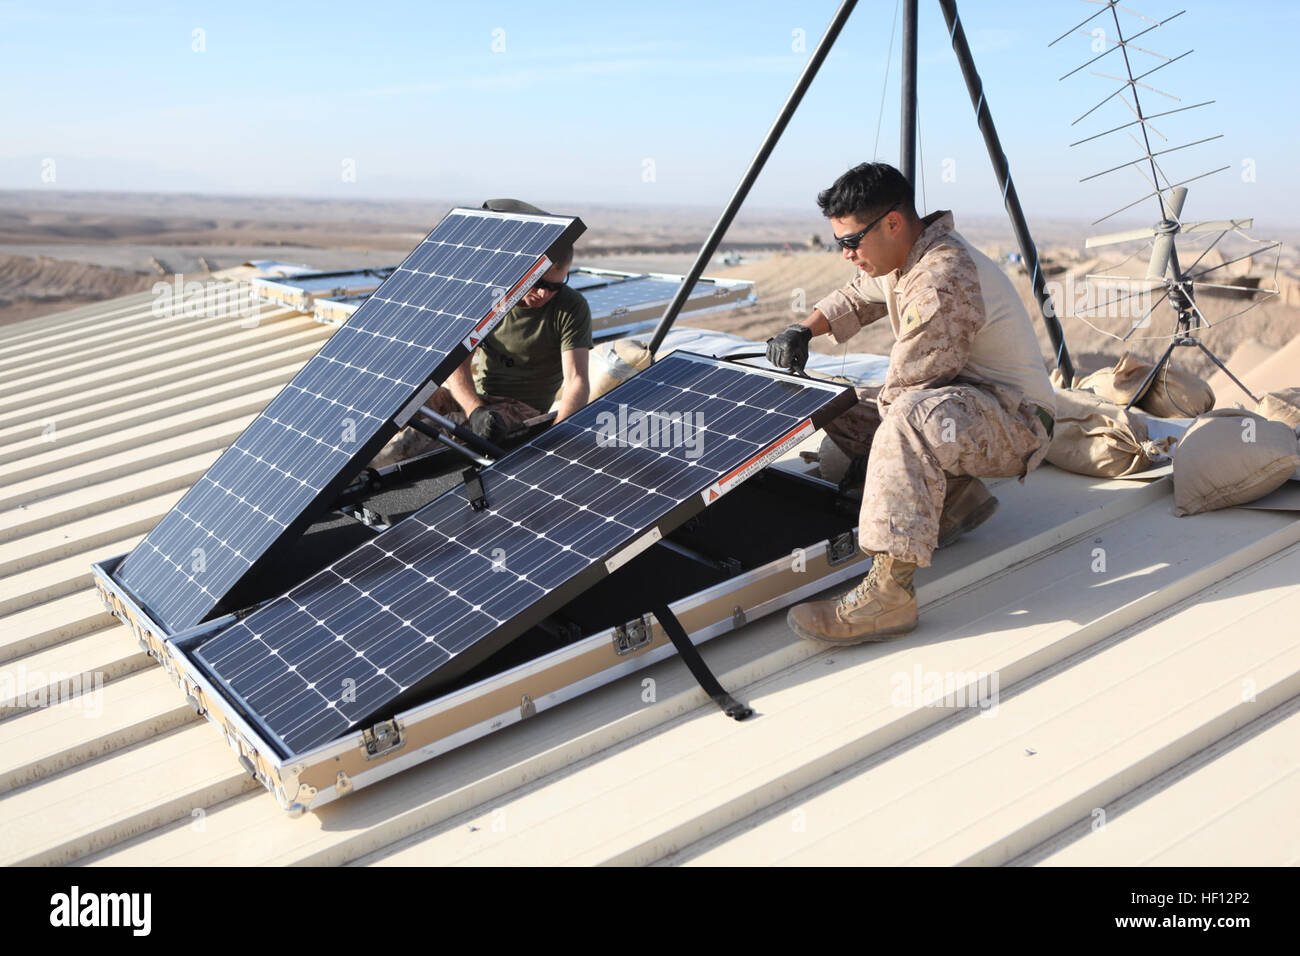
{"type": "Point", "coordinates": [522, 355]}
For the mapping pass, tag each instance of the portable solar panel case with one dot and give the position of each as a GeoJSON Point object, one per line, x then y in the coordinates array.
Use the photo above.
{"type": "Point", "coordinates": [525, 687]}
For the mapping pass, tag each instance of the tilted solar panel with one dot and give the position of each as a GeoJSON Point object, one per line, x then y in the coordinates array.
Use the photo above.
{"type": "Point", "coordinates": [336, 413]}
{"type": "Point", "coordinates": [441, 591]}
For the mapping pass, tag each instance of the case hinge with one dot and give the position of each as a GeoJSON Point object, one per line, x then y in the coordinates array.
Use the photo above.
{"type": "Point", "coordinates": [632, 636]}
{"type": "Point", "coordinates": [382, 738]}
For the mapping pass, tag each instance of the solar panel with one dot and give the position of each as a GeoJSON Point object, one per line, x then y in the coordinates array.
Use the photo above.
{"type": "Point", "coordinates": [436, 594]}
{"type": "Point", "coordinates": [641, 292]}
{"type": "Point", "coordinates": [621, 302]}
{"type": "Point", "coordinates": [336, 413]}
{"type": "Point", "coordinates": [301, 290]}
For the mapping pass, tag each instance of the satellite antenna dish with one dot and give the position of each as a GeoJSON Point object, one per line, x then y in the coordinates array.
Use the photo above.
{"type": "Point", "coordinates": [1164, 268]}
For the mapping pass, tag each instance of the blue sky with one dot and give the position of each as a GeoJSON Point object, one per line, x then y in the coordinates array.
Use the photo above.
{"type": "Point", "coordinates": [563, 101]}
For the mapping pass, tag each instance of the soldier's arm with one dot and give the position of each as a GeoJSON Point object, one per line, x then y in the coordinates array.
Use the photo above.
{"type": "Point", "coordinates": [461, 385]}
{"type": "Point", "coordinates": [817, 323]}
{"type": "Point", "coordinates": [846, 310]}
{"type": "Point", "coordinates": [575, 347]}
{"type": "Point", "coordinates": [576, 387]}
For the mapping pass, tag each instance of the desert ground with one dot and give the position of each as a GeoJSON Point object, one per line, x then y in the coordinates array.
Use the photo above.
{"type": "Point", "coordinates": [59, 250]}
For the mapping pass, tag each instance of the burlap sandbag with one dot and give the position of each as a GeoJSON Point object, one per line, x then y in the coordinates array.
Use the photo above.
{"type": "Point", "coordinates": [833, 463]}
{"type": "Point", "coordinates": [1231, 457]}
{"type": "Point", "coordinates": [613, 363]}
{"type": "Point", "coordinates": [1098, 438]}
{"type": "Point", "coordinates": [1281, 406]}
{"type": "Point", "coordinates": [1057, 378]}
{"type": "Point", "coordinates": [1173, 394]}
{"type": "Point", "coordinates": [1177, 394]}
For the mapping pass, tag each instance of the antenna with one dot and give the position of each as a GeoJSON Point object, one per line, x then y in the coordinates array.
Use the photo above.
{"type": "Point", "coordinates": [1164, 271]}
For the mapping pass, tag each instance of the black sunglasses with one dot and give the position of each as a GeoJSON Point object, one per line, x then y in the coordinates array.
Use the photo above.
{"type": "Point", "coordinates": [551, 286]}
{"type": "Point", "coordinates": [851, 242]}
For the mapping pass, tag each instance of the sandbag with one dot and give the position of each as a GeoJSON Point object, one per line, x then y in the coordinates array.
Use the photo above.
{"type": "Point", "coordinates": [1281, 406]}
{"type": "Point", "coordinates": [832, 462]}
{"type": "Point", "coordinates": [1173, 394]}
{"type": "Point", "coordinates": [613, 363]}
{"type": "Point", "coordinates": [1117, 384]}
{"type": "Point", "coordinates": [1057, 378]}
{"type": "Point", "coordinates": [1098, 438]}
{"type": "Point", "coordinates": [1177, 394]}
{"type": "Point", "coordinates": [1231, 457]}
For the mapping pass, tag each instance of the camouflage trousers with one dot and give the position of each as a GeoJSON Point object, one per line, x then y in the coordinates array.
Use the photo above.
{"type": "Point", "coordinates": [854, 429]}
{"type": "Point", "coordinates": [925, 436]}
{"type": "Point", "coordinates": [408, 442]}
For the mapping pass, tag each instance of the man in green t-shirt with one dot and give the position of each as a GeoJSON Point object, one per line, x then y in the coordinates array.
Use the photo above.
{"type": "Point", "coordinates": [536, 357]}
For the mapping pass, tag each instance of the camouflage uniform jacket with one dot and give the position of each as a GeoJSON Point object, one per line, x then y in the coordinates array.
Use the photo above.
{"type": "Point", "coordinates": [956, 319]}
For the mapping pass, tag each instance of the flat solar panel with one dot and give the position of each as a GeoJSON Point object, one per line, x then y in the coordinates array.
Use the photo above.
{"type": "Point", "coordinates": [441, 591]}
{"type": "Point", "coordinates": [640, 292]}
{"type": "Point", "coordinates": [336, 413]}
{"type": "Point", "coordinates": [580, 280]}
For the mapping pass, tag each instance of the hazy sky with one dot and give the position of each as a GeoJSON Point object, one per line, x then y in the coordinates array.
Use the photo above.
{"type": "Point", "coordinates": [660, 103]}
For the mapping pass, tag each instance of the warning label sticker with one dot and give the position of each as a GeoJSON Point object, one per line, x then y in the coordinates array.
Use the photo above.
{"type": "Point", "coordinates": [758, 462]}
{"type": "Point", "coordinates": [504, 304]}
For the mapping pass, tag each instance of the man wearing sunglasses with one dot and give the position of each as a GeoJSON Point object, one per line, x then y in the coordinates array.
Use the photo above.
{"type": "Point", "coordinates": [535, 357]}
{"type": "Point", "coordinates": [966, 395]}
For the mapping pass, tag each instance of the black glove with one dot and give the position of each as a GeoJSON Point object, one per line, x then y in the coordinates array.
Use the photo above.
{"type": "Point", "coordinates": [486, 424]}
{"type": "Point", "coordinates": [790, 348]}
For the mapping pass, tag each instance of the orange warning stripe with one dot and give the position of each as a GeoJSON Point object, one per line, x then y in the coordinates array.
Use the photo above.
{"type": "Point", "coordinates": [509, 295]}
{"type": "Point", "coordinates": [776, 444]}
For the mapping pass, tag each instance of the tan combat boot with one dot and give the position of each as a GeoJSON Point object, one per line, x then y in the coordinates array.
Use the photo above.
{"type": "Point", "coordinates": [967, 504]}
{"type": "Point", "coordinates": [884, 604]}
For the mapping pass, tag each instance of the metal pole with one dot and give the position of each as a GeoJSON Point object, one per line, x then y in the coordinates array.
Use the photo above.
{"type": "Point", "coordinates": [755, 167]}
{"type": "Point", "coordinates": [1027, 248]}
{"type": "Point", "coordinates": [907, 134]}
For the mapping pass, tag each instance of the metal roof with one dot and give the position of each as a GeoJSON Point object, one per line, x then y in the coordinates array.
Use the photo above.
{"type": "Point", "coordinates": [1147, 668]}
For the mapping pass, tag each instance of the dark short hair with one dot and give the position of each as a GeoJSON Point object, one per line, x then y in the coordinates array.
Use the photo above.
{"type": "Point", "coordinates": [866, 191]}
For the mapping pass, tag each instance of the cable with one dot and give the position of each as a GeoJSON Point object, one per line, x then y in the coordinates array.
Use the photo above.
{"type": "Point", "coordinates": [889, 59]}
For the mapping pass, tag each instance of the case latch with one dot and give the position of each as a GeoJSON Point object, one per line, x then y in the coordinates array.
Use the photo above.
{"type": "Point", "coordinates": [841, 548]}
{"type": "Point", "coordinates": [632, 636]}
{"type": "Point", "coordinates": [382, 738]}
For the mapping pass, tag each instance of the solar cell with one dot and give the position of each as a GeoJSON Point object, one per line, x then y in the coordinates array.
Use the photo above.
{"type": "Point", "coordinates": [339, 410]}
{"type": "Point", "coordinates": [439, 592]}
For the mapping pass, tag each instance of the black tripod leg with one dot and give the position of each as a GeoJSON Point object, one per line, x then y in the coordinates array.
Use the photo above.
{"type": "Point", "coordinates": [1215, 359]}
{"type": "Point", "coordinates": [1151, 376]}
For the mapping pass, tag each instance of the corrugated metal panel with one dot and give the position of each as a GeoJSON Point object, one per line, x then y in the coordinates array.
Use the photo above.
{"type": "Point", "coordinates": [1104, 675]}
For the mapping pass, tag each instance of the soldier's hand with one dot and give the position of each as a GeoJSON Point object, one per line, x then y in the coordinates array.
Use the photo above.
{"type": "Point", "coordinates": [790, 348]}
{"type": "Point", "coordinates": [486, 424]}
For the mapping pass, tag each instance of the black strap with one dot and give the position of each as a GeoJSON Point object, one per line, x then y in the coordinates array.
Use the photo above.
{"type": "Point", "coordinates": [699, 670]}
{"type": "Point", "coordinates": [1046, 418]}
